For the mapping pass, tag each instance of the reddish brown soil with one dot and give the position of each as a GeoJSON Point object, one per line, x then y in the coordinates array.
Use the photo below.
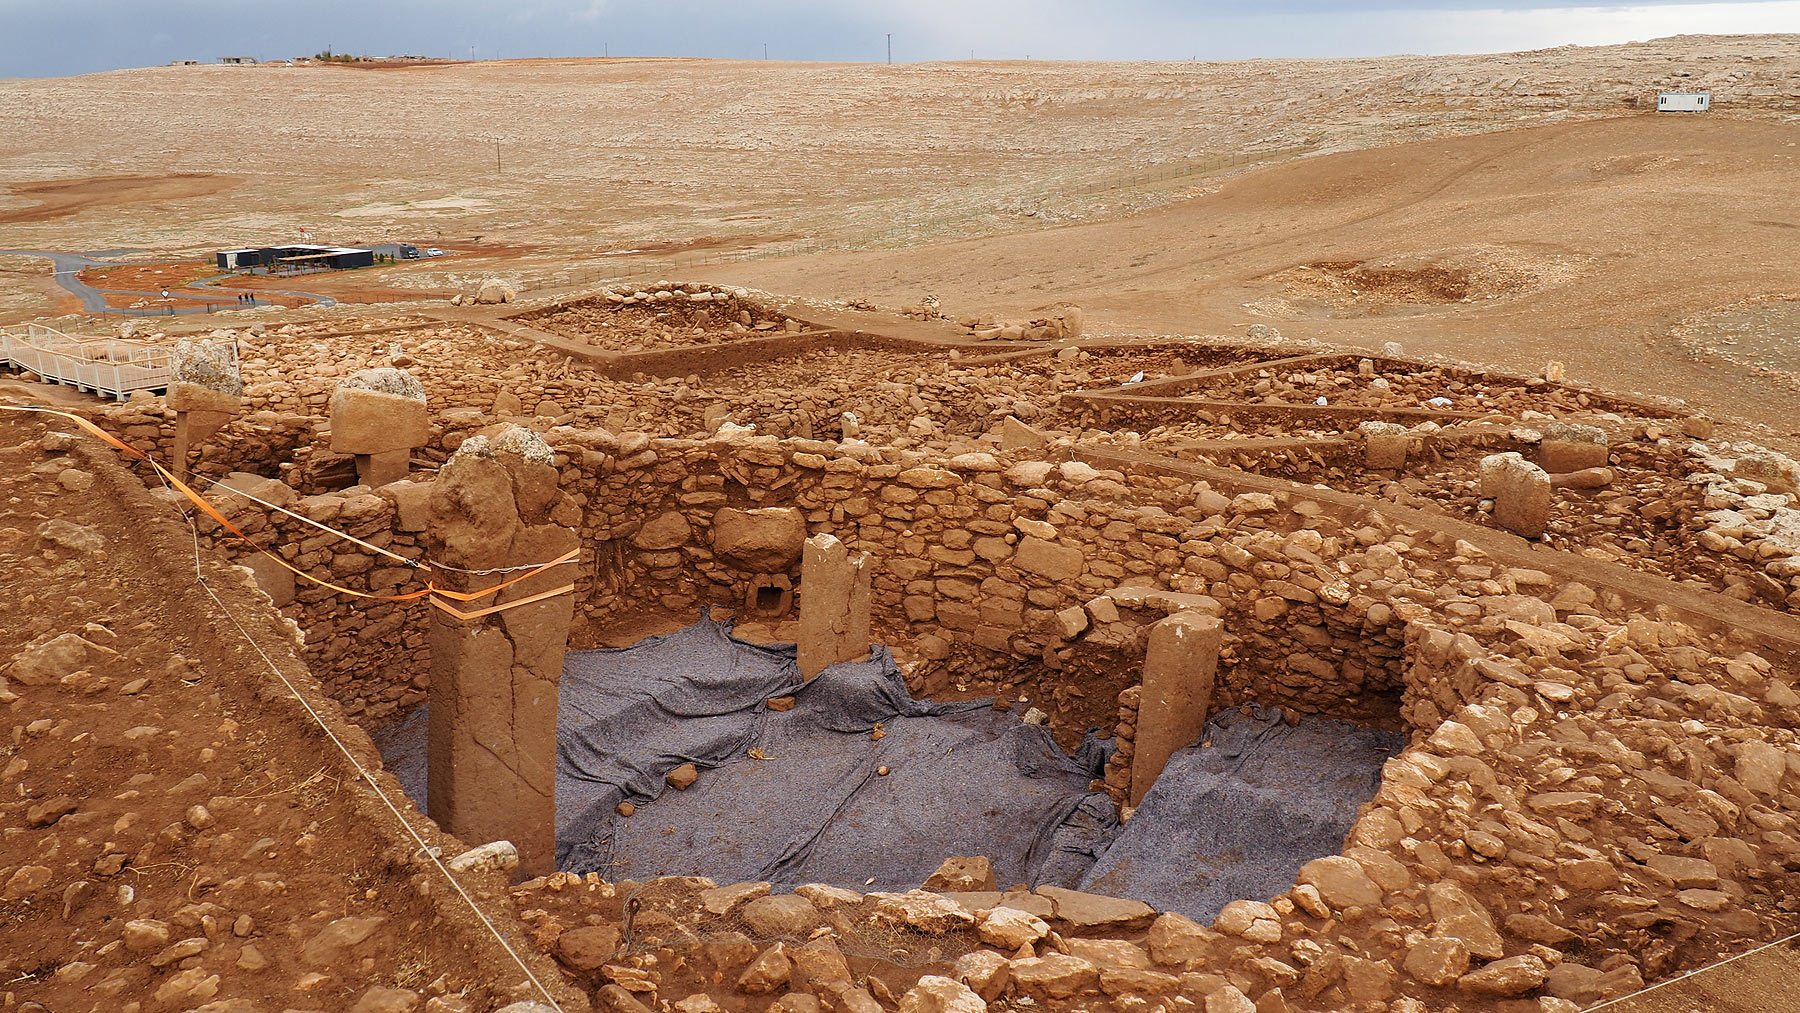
{"type": "Point", "coordinates": [172, 780]}
{"type": "Point", "coordinates": [359, 286]}
{"type": "Point", "coordinates": [60, 198]}
{"type": "Point", "coordinates": [148, 277]}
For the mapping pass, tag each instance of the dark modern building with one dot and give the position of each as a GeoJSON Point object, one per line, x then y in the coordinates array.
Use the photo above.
{"type": "Point", "coordinates": [296, 256]}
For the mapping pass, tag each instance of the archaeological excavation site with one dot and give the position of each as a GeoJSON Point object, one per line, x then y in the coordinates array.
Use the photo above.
{"type": "Point", "coordinates": [669, 647]}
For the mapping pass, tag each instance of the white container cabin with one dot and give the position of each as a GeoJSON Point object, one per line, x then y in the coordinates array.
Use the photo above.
{"type": "Point", "coordinates": [1683, 101]}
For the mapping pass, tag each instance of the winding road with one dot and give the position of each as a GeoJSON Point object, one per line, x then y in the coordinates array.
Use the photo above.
{"type": "Point", "coordinates": [68, 268]}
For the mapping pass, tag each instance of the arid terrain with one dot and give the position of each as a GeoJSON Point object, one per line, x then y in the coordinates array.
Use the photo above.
{"type": "Point", "coordinates": [1179, 198]}
{"type": "Point", "coordinates": [1440, 406]}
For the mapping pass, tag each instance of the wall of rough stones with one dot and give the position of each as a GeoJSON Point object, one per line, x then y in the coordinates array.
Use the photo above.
{"type": "Point", "coordinates": [369, 655]}
{"type": "Point", "coordinates": [1626, 812]}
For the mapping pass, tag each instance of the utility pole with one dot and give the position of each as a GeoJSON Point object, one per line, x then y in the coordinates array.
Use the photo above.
{"type": "Point", "coordinates": [890, 37]}
{"type": "Point", "coordinates": [765, 50]}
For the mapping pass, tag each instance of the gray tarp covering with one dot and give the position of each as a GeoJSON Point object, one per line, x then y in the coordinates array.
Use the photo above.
{"type": "Point", "coordinates": [1236, 819]}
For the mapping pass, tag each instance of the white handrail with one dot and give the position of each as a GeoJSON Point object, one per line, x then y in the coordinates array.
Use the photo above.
{"type": "Point", "coordinates": [110, 366]}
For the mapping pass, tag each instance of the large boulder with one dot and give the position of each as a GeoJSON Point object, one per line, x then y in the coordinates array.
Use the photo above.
{"type": "Point", "coordinates": [934, 994]}
{"type": "Point", "coordinates": [42, 664]}
{"type": "Point", "coordinates": [1460, 916]}
{"type": "Point", "coordinates": [586, 947]}
{"type": "Point", "coordinates": [784, 915]}
{"type": "Point", "coordinates": [1053, 976]}
{"type": "Point", "coordinates": [1010, 929]}
{"type": "Point", "coordinates": [963, 875]}
{"type": "Point", "coordinates": [1341, 882]}
{"type": "Point", "coordinates": [667, 530]}
{"type": "Point", "coordinates": [766, 540]}
{"type": "Point", "coordinates": [922, 910]}
{"type": "Point", "coordinates": [494, 291]}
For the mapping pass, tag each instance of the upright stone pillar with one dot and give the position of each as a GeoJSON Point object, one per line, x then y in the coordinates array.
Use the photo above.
{"type": "Point", "coordinates": [1569, 447]}
{"type": "Point", "coordinates": [1385, 445]}
{"type": "Point", "coordinates": [835, 595]}
{"type": "Point", "coordinates": [378, 417]}
{"type": "Point", "coordinates": [492, 752]}
{"type": "Point", "coordinates": [205, 390]}
{"type": "Point", "coordinates": [1179, 667]}
{"type": "Point", "coordinates": [1520, 491]}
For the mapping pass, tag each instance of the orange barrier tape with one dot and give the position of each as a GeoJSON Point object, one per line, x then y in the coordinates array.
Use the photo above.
{"type": "Point", "coordinates": [431, 589]}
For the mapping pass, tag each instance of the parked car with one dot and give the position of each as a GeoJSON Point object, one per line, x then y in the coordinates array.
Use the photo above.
{"type": "Point", "coordinates": [434, 252]}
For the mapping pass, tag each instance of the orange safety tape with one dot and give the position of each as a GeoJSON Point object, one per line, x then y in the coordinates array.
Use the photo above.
{"type": "Point", "coordinates": [431, 588]}
{"type": "Point", "coordinates": [490, 610]}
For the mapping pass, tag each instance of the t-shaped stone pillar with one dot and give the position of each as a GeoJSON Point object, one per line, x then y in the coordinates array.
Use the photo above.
{"type": "Point", "coordinates": [835, 594]}
{"type": "Point", "coordinates": [205, 390]}
{"type": "Point", "coordinates": [492, 752]}
{"type": "Point", "coordinates": [378, 417]}
{"type": "Point", "coordinates": [1179, 667]}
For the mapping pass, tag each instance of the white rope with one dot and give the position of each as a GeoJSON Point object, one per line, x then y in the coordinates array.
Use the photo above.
{"type": "Point", "coordinates": [368, 778]}
{"type": "Point", "coordinates": [213, 483]}
{"type": "Point", "coordinates": [1697, 970]}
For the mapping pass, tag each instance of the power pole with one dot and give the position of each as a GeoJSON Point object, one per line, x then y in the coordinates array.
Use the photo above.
{"type": "Point", "coordinates": [765, 50]}
{"type": "Point", "coordinates": [890, 37]}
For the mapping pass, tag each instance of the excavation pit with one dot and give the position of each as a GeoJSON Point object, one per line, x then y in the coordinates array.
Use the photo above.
{"type": "Point", "coordinates": [848, 781]}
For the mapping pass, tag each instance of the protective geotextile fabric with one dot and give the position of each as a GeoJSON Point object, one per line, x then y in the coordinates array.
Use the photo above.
{"type": "Point", "coordinates": [794, 796]}
{"type": "Point", "coordinates": [1238, 817]}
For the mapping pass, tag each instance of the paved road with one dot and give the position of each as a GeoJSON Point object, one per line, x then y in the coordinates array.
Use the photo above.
{"type": "Point", "coordinates": [68, 268]}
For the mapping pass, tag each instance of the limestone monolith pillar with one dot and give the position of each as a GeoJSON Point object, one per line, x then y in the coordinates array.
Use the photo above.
{"type": "Point", "coordinates": [1569, 447]}
{"type": "Point", "coordinates": [378, 417]}
{"type": "Point", "coordinates": [835, 595]}
{"type": "Point", "coordinates": [205, 390]}
{"type": "Point", "coordinates": [1385, 445]}
{"type": "Point", "coordinates": [492, 738]}
{"type": "Point", "coordinates": [1520, 491]}
{"type": "Point", "coordinates": [1179, 667]}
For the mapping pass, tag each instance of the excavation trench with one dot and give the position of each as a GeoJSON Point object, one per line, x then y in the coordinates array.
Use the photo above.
{"type": "Point", "coordinates": [847, 780]}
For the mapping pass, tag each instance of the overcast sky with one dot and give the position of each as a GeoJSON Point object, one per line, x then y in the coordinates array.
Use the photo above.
{"type": "Point", "coordinates": [41, 38]}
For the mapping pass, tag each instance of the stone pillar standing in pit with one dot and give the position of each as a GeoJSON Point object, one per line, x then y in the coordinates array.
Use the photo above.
{"type": "Point", "coordinates": [1179, 667]}
{"type": "Point", "coordinates": [492, 753]}
{"type": "Point", "coordinates": [205, 390]}
{"type": "Point", "coordinates": [378, 417]}
{"type": "Point", "coordinates": [835, 594]}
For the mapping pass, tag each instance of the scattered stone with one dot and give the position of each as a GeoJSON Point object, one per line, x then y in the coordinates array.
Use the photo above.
{"type": "Point", "coordinates": [683, 777]}
{"type": "Point", "coordinates": [935, 994]}
{"type": "Point", "coordinates": [1010, 929]}
{"type": "Point", "coordinates": [962, 875]}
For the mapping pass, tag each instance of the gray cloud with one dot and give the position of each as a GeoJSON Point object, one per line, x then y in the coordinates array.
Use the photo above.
{"type": "Point", "coordinates": [60, 37]}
